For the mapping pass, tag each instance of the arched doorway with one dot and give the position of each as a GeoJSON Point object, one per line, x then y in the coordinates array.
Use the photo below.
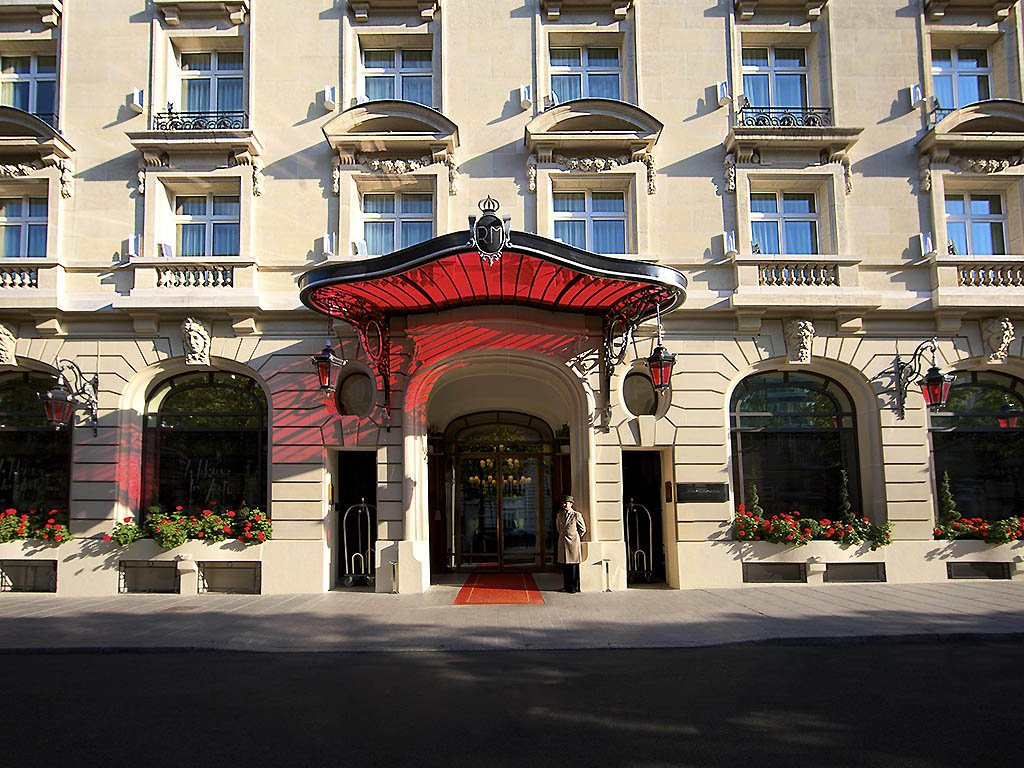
{"type": "Point", "coordinates": [502, 475]}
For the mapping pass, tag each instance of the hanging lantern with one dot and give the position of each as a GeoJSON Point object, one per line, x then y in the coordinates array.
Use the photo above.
{"type": "Point", "coordinates": [58, 405]}
{"type": "Point", "coordinates": [935, 388]}
{"type": "Point", "coordinates": [326, 363]}
{"type": "Point", "coordinates": [660, 362]}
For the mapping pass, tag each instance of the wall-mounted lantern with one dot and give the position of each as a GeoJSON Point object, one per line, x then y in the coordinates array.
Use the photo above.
{"type": "Point", "coordinates": [934, 384]}
{"type": "Point", "coordinates": [72, 392]}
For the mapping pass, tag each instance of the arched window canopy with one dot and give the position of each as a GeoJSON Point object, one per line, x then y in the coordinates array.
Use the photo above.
{"type": "Point", "coordinates": [609, 124]}
{"type": "Point", "coordinates": [24, 134]}
{"type": "Point", "coordinates": [391, 125]}
{"type": "Point", "coordinates": [992, 126]}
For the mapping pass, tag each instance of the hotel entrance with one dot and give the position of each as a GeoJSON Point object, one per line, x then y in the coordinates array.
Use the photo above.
{"type": "Point", "coordinates": [505, 472]}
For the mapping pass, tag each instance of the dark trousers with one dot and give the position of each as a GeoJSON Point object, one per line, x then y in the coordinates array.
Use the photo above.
{"type": "Point", "coordinates": [571, 577]}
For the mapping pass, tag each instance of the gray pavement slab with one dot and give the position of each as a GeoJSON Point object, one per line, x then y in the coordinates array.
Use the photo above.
{"type": "Point", "coordinates": [637, 618]}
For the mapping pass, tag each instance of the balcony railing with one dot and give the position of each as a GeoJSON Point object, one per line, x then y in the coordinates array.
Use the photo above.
{"type": "Point", "coordinates": [195, 276]}
{"type": "Point", "coordinates": [797, 274]}
{"type": "Point", "coordinates": [19, 277]}
{"type": "Point", "coordinates": [201, 121]}
{"type": "Point", "coordinates": [990, 275]}
{"type": "Point", "coordinates": [785, 117]}
{"type": "Point", "coordinates": [937, 114]}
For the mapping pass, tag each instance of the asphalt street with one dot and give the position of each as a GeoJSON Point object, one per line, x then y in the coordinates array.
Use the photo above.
{"type": "Point", "coordinates": [905, 703]}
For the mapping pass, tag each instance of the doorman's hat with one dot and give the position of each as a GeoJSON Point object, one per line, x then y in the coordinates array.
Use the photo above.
{"type": "Point", "coordinates": [570, 499]}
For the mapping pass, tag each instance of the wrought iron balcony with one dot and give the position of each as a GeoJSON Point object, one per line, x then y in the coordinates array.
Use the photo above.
{"type": "Point", "coordinates": [785, 117]}
{"type": "Point", "coordinates": [939, 113]}
{"type": "Point", "coordinates": [201, 121]}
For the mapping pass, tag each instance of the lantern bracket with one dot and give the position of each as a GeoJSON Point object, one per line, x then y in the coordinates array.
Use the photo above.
{"type": "Point", "coordinates": [82, 392]}
{"type": "Point", "coordinates": [905, 371]}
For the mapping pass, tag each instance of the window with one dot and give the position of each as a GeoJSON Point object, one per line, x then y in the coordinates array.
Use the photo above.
{"type": "Point", "coordinates": [205, 442]}
{"type": "Point", "coordinates": [399, 74]}
{"type": "Point", "coordinates": [960, 76]}
{"type": "Point", "coordinates": [784, 222]}
{"type": "Point", "coordinates": [23, 222]}
{"type": "Point", "coordinates": [978, 439]}
{"type": "Point", "coordinates": [975, 224]}
{"type": "Point", "coordinates": [591, 220]}
{"type": "Point", "coordinates": [35, 459]}
{"type": "Point", "coordinates": [579, 73]}
{"type": "Point", "coordinates": [390, 219]}
{"type": "Point", "coordinates": [792, 434]}
{"type": "Point", "coordinates": [775, 77]}
{"type": "Point", "coordinates": [212, 82]}
{"type": "Point", "coordinates": [207, 225]}
{"type": "Point", "coordinates": [29, 83]}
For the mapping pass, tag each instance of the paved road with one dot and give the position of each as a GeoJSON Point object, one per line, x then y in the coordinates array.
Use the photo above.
{"type": "Point", "coordinates": [894, 704]}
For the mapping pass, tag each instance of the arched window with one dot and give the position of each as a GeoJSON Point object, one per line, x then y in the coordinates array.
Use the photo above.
{"type": "Point", "coordinates": [205, 442]}
{"type": "Point", "coordinates": [35, 459]}
{"type": "Point", "coordinates": [792, 435]}
{"type": "Point", "coordinates": [978, 438]}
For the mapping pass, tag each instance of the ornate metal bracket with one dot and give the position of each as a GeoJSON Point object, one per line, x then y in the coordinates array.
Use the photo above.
{"type": "Point", "coordinates": [905, 371]}
{"type": "Point", "coordinates": [82, 392]}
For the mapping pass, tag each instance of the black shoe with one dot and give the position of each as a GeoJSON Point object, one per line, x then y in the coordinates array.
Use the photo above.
{"type": "Point", "coordinates": [563, 589]}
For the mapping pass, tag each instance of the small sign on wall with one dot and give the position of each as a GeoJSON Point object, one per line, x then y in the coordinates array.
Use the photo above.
{"type": "Point", "coordinates": [697, 492]}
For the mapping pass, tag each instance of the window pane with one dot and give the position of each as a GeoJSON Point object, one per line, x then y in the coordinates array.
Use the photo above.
{"type": "Point", "coordinates": [570, 202]}
{"type": "Point", "coordinates": [942, 58]}
{"type": "Point", "coordinates": [790, 57]}
{"type": "Point", "coordinates": [230, 61]}
{"type": "Point", "coordinates": [15, 95]}
{"type": "Point", "coordinates": [944, 91]}
{"type": "Point", "coordinates": [763, 202]}
{"type": "Point", "coordinates": [191, 240]}
{"type": "Point", "coordinates": [10, 207]}
{"type": "Point", "coordinates": [46, 65]}
{"type": "Point", "coordinates": [380, 88]}
{"type": "Point", "coordinates": [755, 90]}
{"type": "Point", "coordinates": [197, 95]}
{"type": "Point", "coordinates": [603, 57]}
{"type": "Point", "coordinates": [567, 87]}
{"type": "Point", "coordinates": [37, 241]}
{"type": "Point", "coordinates": [972, 58]}
{"type": "Point", "coordinates": [378, 203]}
{"type": "Point", "coordinates": [379, 59]}
{"type": "Point", "coordinates": [16, 65]}
{"type": "Point", "coordinates": [229, 94]}
{"type": "Point", "coordinates": [755, 57]}
{"type": "Point", "coordinates": [609, 236]}
{"type": "Point", "coordinates": [225, 239]}
{"type": "Point", "coordinates": [609, 202]}
{"type": "Point", "coordinates": [986, 205]}
{"type": "Point", "coordinates": [790, 91]}
{"type": "Point", "coordinates": [11, 241]}
{"type": "Point", "coordinates": [379, 236]}
{"type": "Point", "coordinates": [417, 203]}
{"type": "Point", "coordinates": [571, 233]}
{"type": "Point", "coordinates": [766, 235]}
{"type": "Point", "coordinates": [957, 232]}
{"type": "Point", "coordinates": [188, 205]}
{"type": "Point", "coordinates": [417, 88]}
{"type": "Point", "coordinates": [955, 205]}
{"type": "Point", "coordinates": [797, 203]}
{"type": "Point", "coordinates": [971, 89]}
{"type": "Point", "coordinates": [37, 207]}
{"type": "Point", "coordinates": [416, 59]}
{"type": "Point", "coordinates": [192, 62]}
{"type": "Point", "coordinates": [566, 57]}
{"type": "Point", "coordinates": [987, 238]}
{"type": "Point", "coordinates": [226, 205]}
{"type": "Point", "coordinates": [416, 232]}
{"type": "Point", "coordinates": [801, 237]}
{"type": "Point", "coordinates": [46, 92]}
{"type": "Point", "coordinates": [603, 86]}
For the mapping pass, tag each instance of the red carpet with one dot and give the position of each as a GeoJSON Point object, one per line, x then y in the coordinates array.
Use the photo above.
{"type": "Point", "coordinates": [499, 589]}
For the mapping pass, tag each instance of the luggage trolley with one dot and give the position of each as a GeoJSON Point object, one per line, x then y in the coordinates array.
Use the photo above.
{"type": "Point", "coordinates": [359, 553]}
{"type": "Point", "coordinates": [639, 543]}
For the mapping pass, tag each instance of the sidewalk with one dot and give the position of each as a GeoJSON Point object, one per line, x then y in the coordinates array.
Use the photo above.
{"type": "Point", "coordinates": [639, 618]}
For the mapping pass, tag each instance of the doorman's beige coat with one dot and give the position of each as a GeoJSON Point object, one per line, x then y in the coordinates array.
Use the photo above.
{"type": "Point", "coordinates": [571, 529]}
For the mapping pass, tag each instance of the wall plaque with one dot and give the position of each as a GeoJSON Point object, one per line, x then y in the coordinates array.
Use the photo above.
{"type": "Point", "coordinates": [702, 492]}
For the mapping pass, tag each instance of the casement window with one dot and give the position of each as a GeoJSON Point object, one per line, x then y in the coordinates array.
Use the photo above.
{"type": "Point", "coordinates": [960, 76]}
{"type": "Point", "coordinates": [212, 82]}
{"type": "Point", "coordinates": [395, 73]}
{"type": "Point", "coordinates": [592, 220]}
{"type": "Point", "coordinates": [975, 224]}
{"type": "Point", "coordinates": [775, 77]}
{"type": "Point", "coordinates": [784, 222]}
{"type": "Point", "coordinates": [396, 220]}
{"type": "Point", "coordinates": [23, 224]}
{"type": "Point", "coordinates": [29, 83]}
{"type": "Point", "coordinates": [207, 225]}
{"type": "Point", "coordinates": [580, 73]}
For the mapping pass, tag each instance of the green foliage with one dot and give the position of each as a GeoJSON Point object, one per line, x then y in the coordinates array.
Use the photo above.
{"type": "Point", "coordinates": [755, 502]}
{"type": "Point", "coordinates": [247, 525]}
{"type": "Point", "coordinates": [845, 507]}
{"type": "Point", "coordinates": [51, 527]}
{"type": "Point", "coordinates": [125, 532]}
{"type": "Point", "coordinates": [947, 504]}
{"type": "Point", "coordinates": [991, 531]}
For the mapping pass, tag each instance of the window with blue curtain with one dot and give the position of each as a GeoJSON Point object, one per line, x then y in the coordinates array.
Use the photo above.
{"type": "Point", "coordinates": [23, 221]}
{"type": "Point", "coordinates": [585, 73]}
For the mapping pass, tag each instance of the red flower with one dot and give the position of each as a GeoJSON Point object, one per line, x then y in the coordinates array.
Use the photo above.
{"type": "Point", "coordinates": [127, 519]}
{"type": "Point", "coordinates": [231, 513]}
{"type": "Point", "coordinates": [241, 539]}
{"type": "Point", "coordinates": [50, 520]}
{"type": "Point", "coordinates": [177, 508]}
{"type": "Point", "coordinates": [200, 534]}
{"type": "Point", "coordinates": [260, 536]}
{"type": "Point", "coordinates": [107, 537]}
{"type": "Point", "coordinates": [790, 537]}
{"type": "Point", "coordinates": [58, 537]}
{"type": "Point", "coordinates": [226, 529]}
{"type": "Point", "coordinates": [259, 518]}
{"type": "Point", "coordinates": [207, 513]}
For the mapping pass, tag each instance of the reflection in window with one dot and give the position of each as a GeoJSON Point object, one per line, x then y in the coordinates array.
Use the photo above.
{"type": "Point", "coordinates": [35, 459]}
{"type": "Point", "coordinates": [960, 76]}
{"type": "Point", "coordinates": [978, 438]}
{"type": "Point", "coordinates": [792, 434]}
{"type": "Point", "coordinates": [205, 442]}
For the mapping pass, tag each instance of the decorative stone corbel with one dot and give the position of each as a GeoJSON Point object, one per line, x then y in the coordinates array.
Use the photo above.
{"type": "Point", "coordinates": [171, 17]}
{"type": "Point", "coordinates": [8, 341]}
{"type": "Point", "coordinates": [998, 334]}
{"type": "Point", "coordinates": [844, 160]}
{"type": "Point", "coordinates": [531, 174]}
{"type": "Point", "coordinates": [799, 337]}
{"type": "Point", "coordinates": [336, 175]}
{"type": "Point", "coordinates": [67, 173]}
{"type": "Point", "coordinates": [648, 160]}
{"type": "Point", "coordinates": [925, 173]}
{"type": "Point", "coordinates": [453, 173]}
{"type": "Point", "coordinates": [730, 174]}
{"type": "Point", "coordinates": [195, 337]}
{"type": "Point", "coordinates": [247, 158]}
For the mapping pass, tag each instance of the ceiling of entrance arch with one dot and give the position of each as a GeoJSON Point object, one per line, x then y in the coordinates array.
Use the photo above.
{"type": "Point", "coordinates": [446, 273]}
